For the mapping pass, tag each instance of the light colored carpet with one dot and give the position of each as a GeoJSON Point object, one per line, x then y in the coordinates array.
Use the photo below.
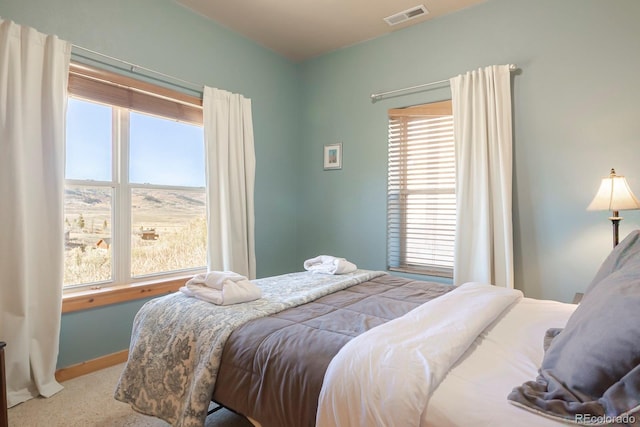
{"type": "Point", "coordinates": [88, 401]}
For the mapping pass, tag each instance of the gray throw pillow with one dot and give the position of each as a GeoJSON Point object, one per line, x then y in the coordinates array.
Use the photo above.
{"type": "Point", "coordinates": [549, 336]}
{"type": "Point", "coordinates": [591, 370]}
{"type": "Point", "coordinates": [627, 251]}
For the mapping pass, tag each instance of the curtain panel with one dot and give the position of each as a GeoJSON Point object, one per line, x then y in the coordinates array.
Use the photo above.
{"type": "Point", "coordinates": [483, 144]}
{"type": "Point", "coordinates": [33, 96]}
{"type": "Point", "coordinates": [230, 170]}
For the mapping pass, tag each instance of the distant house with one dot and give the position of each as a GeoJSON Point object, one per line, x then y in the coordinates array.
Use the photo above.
{"type": "Point", "coordinates": [149, 234]}
{"type": "Point", "coordinates": [103, 243]}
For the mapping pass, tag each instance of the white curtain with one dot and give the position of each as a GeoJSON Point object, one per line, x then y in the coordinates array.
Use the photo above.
{"type": "Point", "coordinates": [33, 93]}
{"type": "Point", "coordinates": [230, 168]}
{"type": "Point", "coordinates": [482, 129]}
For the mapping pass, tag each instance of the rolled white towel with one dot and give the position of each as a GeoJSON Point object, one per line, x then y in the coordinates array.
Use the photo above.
{"type": "Point", "coordinates": [242, 291]}
{"type": "Point", "coordinates": [215, 279]}
{"type": "Point", "coordinates": [328, 264]}
{"type": "Point", "coordinates": [204, 293]}
{"type": "Point", "coordinates": [221, 288]}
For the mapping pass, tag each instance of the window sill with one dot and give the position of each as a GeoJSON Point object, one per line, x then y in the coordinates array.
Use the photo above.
{"type": "Point", "coordinates": [434, 272]}
{"type": "Point", "coordinates": [91, 298]}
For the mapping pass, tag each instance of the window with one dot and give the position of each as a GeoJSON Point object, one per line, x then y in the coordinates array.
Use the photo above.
{"type": "Point", "coordinates": [421, 199]}
{"type": "Point", "coordinates": [135, 204]}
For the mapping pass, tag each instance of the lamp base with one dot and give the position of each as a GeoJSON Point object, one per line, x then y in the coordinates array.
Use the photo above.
{"type": "Point", "coordinates": [615, 221]}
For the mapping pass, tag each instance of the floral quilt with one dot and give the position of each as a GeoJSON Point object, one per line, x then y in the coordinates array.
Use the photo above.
{"type": "Point", "coordinates": [177, 343]}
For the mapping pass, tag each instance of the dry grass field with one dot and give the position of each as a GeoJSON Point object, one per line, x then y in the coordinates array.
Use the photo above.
{"type": "Point", "coordinates": [168, 232]}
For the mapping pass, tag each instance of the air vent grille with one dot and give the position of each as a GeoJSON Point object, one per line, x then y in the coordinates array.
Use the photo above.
{"type": "Point", "coordinates": [406, 15]}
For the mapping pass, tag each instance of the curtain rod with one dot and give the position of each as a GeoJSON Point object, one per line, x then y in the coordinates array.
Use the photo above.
{"type": "Point", "coordinates": [137, 69]}
{"type": "Point", "coordinates": [377, 96]}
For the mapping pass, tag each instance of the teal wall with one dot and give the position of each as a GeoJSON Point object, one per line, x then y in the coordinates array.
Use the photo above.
{"type": "Point", "coordinates": [163, 36]}
{"type": "Point", "coordinates": [576, 115]}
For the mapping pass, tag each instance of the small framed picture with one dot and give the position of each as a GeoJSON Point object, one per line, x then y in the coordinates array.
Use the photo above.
{"type": "Point", "coordinates": [333, 156]}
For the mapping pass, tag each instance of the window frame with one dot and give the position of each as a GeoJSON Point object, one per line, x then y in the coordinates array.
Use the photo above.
{"type": "Point", "coordinates": [123, 93]}
{"type": "Point", "coordinates": [397, 232]}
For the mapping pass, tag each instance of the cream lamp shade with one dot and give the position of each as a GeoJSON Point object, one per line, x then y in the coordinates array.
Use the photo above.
{"type": "Point", "coordinates": [614, 195]}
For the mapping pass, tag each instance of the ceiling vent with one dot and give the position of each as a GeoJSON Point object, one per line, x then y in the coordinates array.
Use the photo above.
{"type": "Point", "coordinates": [406, 15]}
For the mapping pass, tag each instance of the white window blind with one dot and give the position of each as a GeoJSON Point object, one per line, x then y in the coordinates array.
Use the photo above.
{"type": "Point", "coordinates": [421, 199]}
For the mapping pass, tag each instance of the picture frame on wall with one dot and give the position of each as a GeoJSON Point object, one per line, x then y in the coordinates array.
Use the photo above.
{"type": "Point", "coordinates": [333, 156]}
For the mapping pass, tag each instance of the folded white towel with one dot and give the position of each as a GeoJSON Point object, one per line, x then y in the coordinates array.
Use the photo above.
{"type": "Point", "coordinates": [328, 264]}
{"type": "Point", "coordinates": [215, 279]}
{"type": "Point", "coordinates": [215, 288]}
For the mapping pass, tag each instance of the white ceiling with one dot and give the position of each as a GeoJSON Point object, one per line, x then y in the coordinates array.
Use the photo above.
{"type": "Point", "coordinates": [302, 29]}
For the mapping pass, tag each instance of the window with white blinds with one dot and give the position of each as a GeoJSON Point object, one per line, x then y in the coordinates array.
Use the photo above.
{"type": "Point", "coordinates": [421, 198]}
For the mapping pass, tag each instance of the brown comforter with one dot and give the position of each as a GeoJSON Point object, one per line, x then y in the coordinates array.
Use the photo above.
{"type": "Point", "coordinates": [272, 368]}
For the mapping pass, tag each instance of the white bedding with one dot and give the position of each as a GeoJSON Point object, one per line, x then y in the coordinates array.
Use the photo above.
{"type": "Point", "coordinates": [508, 353]}
{"type": "Point", "coordinates": [386, 376]}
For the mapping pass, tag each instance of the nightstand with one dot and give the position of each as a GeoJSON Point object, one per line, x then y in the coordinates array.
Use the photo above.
{"type": "Point", "coordinates": [4, 422]}
{"type": "Point", "coordinates": [577, 298]}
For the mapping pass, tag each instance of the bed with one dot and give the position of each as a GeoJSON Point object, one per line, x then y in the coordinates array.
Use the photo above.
{"type": "Point", "coordinates": [401, 353]}
{"type": "Point", "coordinates": [508, 352]}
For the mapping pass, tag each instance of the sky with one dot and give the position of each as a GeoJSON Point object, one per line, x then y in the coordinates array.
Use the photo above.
{"type": "Point", "coordinates": [162, 152]}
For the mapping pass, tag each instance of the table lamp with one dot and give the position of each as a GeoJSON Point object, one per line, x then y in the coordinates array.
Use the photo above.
{"type": "Point", "coordinates": [614, 195]}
